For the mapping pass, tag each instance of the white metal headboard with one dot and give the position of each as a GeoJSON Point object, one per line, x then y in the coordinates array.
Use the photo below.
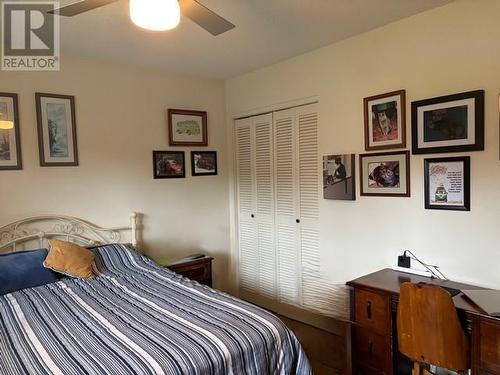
{"type": "Point", "coordinates": [22, 233]}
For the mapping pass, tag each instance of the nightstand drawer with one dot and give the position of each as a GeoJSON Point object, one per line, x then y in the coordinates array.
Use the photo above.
{"type": "Point", "coordinates": [198, 270]}
{"type": "Point", "coordinates": [196, 273]}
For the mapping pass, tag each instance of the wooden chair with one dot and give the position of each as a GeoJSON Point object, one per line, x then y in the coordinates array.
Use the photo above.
{"type": "Point", "coordinates": [429, 330]}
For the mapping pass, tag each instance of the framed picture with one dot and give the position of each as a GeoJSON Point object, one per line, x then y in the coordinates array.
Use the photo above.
{"type": "Point", "coordinates": [339, 182]}
{"type": "Point", "coordinates": [385, 174]}
{"type": "Point", "coordinates": [10, 141]}
{"type": "Point", "coordinates": [453, 123]}
{"type": "Point", "coordinates": [56, 120]}
{"type": "Point", "coordinates": [447, 183]}
{"type": "Point", "coordinates": [168, 164]}
{"type": "Point", "coordinates": [187, 128]}
{"type": "Point", "coordinates": [385, 121]}
{"type": "Point", "coordinates": [203, 163]}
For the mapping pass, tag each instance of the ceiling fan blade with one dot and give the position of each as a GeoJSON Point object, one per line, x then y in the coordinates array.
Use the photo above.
{"type": "Point", "coordinates": [204, 17]}
{"type": "Point", "coordinates": [81, 7]}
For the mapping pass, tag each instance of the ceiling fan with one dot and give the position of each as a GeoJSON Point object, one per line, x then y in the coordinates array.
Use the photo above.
{"type": "Point", "coordinates": [157, 15]}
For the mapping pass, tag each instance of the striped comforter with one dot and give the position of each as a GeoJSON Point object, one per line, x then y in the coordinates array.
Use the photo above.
{"type": "Point", "coordinates": [135, 317]}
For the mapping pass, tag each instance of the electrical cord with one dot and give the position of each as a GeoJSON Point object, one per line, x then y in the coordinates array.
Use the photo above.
{"type": "Point", "coordinates": [435, 273]}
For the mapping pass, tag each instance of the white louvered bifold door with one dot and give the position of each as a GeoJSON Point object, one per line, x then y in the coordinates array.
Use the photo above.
{"type": "Point", "coordinates": [309, 192]}
{"type": "Point", "coordinates": [247, 231]}
{"type": "Point", "coordinates": [256, 205]}
{"type": "Point", "coordinates": [286, 206]}
{"type": "Point", "coordinates": [264, 216]}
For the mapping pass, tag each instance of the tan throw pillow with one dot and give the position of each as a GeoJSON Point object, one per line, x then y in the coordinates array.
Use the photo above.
{"type": "Point", "coordinates": [69, 259]}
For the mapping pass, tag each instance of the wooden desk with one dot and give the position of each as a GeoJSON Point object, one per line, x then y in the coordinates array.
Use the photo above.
{"type": "Point", "coordinates": [374, 300]}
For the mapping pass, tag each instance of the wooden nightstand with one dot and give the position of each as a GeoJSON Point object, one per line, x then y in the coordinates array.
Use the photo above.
{"type": "Point", "coordinates": [199, 270]}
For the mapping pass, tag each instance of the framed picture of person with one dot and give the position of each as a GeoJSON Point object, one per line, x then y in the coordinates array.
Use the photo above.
{"type": "Point", "coordinates": [187, 128]}
{"type": "Point", "coordinates": [57, 141]}
{"type": "Point", "coordinates": [10, 139]}
{"type": "Point", "coordinates": [452, 123]}
{"type": "Point", "coordinates": [385, 174]}
{"type": "Point", "coordinates": [339, 181]}
{"type": "Point", "coordinates": [385, 121]}
{"type": "Point", "coordinates": [168, 164]}
{"type": "Point", "coordinates": [447, 183]}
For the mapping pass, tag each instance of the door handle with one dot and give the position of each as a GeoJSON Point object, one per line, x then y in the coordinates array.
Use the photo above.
{"type": "Point", "coordinates": [252, 216]}
{"type": "Point", "coordinates": [370, 348]}
{"type": "Point", "coordinates": [297, 221]}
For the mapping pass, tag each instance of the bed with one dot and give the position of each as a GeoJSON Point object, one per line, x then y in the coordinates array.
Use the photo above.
{"type": "Point", "coordinates": [134, 317]}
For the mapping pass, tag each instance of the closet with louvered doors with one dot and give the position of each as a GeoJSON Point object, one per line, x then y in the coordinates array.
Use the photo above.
{"type": "Point", "coordinates": [279, 182]}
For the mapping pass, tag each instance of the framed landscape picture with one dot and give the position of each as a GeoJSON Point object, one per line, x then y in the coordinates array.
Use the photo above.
{"type": "Point", "coordinates": [339, 181]}
{"type": "Point", "coordinates": [385, 121]}
{"type": "Point", "coordinates": [447, 183]}
{"type": "Point", "coordinates": [203, 163]}
{"type": "Point", "coordinates": [187, 128]}
{"type": "Point", "coordinates": [385, 174]}
{"type": "Point", "coordinates": [10, 141]}
{"type": "Point", "coordinates": [453, 123]}
{"type": "Point", "coordinates": [168, 164]}
{"type": "Point", "coordinates": [56, 120]}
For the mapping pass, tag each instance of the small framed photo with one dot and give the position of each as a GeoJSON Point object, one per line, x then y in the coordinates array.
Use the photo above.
{"type": "Point", "coordinates": [453, 123]}
{"type": "Point", "coordinates": [187, 128]}
{"type": "Point", "coordinates": [447, 183]}
{"type": "Point", "coordinates": [203, 163]}
{"type": "Point", "coordinates": [169, 164]}
{"type": "Point", "coordinates": [385, 121]}
{"type": "Point", "coordinates": [10, 141]}
{"type": "Point", "coordinates": [56, 120]}
{"type": "Point", "coordinates": [385, 174]}
{"type": "Point", "coordinates": [339, 181]}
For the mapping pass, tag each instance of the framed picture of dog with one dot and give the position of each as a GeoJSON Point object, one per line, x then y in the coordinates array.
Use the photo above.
{"type": "Point", "coordinates": [385, 174]}
{"type": "Point", "coordinates": [385, 121]}
{"type": "Point", "coordinates": [452, 123]}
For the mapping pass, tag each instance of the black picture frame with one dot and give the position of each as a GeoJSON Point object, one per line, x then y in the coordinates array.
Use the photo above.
{"type": "Point", "coordinates": [17, 132]}
{"type": "Point", "coordinates": [175, 156]}
{"type": "Point", "coordinates": [466, 183]}
{"type": "Point", "coordinates": [213, 171]}
{"type": "Point", "coordinates": [478, 145]}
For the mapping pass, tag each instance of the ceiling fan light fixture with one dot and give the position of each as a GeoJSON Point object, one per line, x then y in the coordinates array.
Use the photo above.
{"type": "Point", "coordinates": [155, 15]}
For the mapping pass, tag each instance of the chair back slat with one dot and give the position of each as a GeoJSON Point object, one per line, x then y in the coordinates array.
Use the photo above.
{"type": "Point", "coordinates": [429, 330]}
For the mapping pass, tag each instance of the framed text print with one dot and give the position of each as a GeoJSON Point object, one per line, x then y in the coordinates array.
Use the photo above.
{"type": "Point", "coordinates": [447, 183]}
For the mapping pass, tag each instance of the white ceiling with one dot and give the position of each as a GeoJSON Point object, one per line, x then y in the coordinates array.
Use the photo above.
{"type": "Point", "coordinates": [267, 31]}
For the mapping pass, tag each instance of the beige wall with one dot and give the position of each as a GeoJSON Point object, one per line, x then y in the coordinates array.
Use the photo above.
{"type": "Point", "coordinates": [120, 121]}
{"type": "Point", "coordinates": [447, 50]}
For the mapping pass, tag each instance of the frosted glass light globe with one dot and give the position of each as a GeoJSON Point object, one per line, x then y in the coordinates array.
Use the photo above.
{"type": "Point", "coordinates": [155, 15]}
